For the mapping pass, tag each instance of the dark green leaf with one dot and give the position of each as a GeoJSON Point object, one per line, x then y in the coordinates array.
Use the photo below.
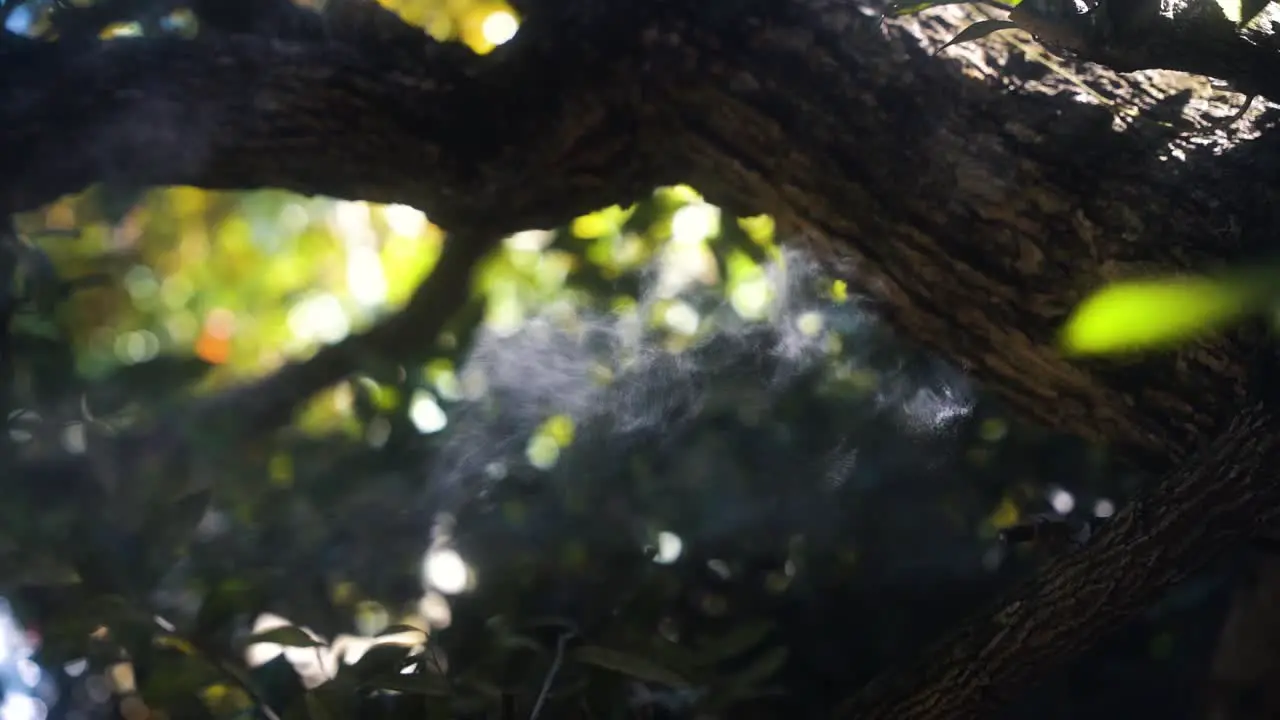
{"type": "Point", "coordinates": [37, 281]}
{"type": "Point", "coordinates": [511, 641]}
{"type": "Point", "coordinates": [416, 683]}
{"type": "Point", "coordinates": [1250, 9]}
{"type": "Point", "coordinates": [398, 629]}
{"type": "Point", "coordinates": [174, 683]}
{"type": "Point", "coordinates": [381, 659]}
{"type": "Point", "coordinates": [737, 641]}
{"type": "Point", "coordinates": [176, 523]}
{"type": "Point", "coordinates": [226, 600]}
{"type": "Point", "coordinates": [619, 662]}
{"type": "Point", "coordinates": [316, 709]}
{"type": "Point", "coordinates": [762, 668]}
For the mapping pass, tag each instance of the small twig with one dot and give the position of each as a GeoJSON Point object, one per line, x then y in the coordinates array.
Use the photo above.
{"type": "Point", "coordinates": [551, 674]}
{"type": "Point", "coordinates": [1227, 123]}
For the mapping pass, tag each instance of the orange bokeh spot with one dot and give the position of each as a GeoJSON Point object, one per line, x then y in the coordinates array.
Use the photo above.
{"type": "Point", "coordinates": [214, 343]}
{"type": "Point", "coordinates": [212, 349]}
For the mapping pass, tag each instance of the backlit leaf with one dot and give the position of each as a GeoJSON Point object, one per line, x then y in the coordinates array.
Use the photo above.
{"type": "Point", "coordinates": [1145, 314]}
{"type": "Point", "coordinates": [977, 31]}
{"type": "Point", "coordinates": [289, 636]}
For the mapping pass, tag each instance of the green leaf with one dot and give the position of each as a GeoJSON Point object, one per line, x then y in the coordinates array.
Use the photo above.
{"type": "Point", "coordinates": [175, 523]}
{"type": "Point", "coordinates": [1147, 314]}
{"type": "Point", "coordinates": [312, 707]}
{"type": "Point", "coordinates": [221, 604]}
{"type": "Point", "coordinates": [400, 629]}
{"type": "Point", "coordinates": [289, 636]}
{"type": "Point", "coordinates": [381, 659]}
{"type": "Point", "coordinates": [977, 31]}
{"type": "Point", "coordinates": [763, 668]}
{"type": "Point", "coordinates": [735, 642]}
{"type": "Point", "coordinates": [1242, 12]}
{"type": "Point", "coordinates": [316, 709]}
{"type": "Point", "coordinates": [1250, 9]}
{"type": "Point", "coordinates": [638, 668]}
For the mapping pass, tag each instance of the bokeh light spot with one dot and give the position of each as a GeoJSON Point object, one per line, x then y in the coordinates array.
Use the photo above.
{"type": "Point", "coordinates": [499, 27]}
{"type": "Point", "coordinates": [445, 571]}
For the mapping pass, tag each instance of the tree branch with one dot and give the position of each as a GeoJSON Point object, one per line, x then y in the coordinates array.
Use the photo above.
{"type": "Point", "coordinates": [1219, 498]}
{"type": "Point", "coordinates": [800, 109]}
{"type": "Point", "coordinates": [389, 116]}
{"type": "Point", "coordinates": [228, 112]}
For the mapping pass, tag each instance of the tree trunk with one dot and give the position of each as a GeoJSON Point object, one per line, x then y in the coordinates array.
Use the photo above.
{"type": "Point", "coordinates": [974, 214]}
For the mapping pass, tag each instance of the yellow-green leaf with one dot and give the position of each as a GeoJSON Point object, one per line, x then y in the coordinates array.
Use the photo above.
{"type": "Point", "coordinates": [1157, 313]}
{"type": "Point", "coordinates": [977, 31]}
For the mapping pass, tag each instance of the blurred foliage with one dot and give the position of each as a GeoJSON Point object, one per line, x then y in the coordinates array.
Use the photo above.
{"type": "Point", "coordinates": [669, 471]}
{"type": "Point", "coordinates": [1159, 313]}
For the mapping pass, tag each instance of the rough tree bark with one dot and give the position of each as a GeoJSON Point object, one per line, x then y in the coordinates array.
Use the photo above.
{"type": "Point", "coordinates": [974, 215]}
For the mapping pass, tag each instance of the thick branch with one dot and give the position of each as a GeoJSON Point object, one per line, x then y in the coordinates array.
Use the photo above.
{"type": "Point", "coordinates": [381, 117]}
{"type": "Point", "coordinates": [977, 219]}
{"type": "Point", "coordinates": [1177, 526]}
{"type": "Point", "coordinates": [226, 113]}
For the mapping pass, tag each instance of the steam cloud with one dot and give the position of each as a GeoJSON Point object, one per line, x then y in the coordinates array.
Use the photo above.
{"type": "Point", "coordinates": [660, 444]}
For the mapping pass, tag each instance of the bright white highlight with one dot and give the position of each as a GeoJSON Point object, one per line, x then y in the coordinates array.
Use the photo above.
{"type": "Point", "coordinates": [445, 571]}
{"type": "Point", "coordinates": [669, 548]}
{"type": "Point", "coordinates": [499, 27]}
{"type": "Point", "coordinates": [22, 707]}
{"type": "Point", "coordinates": [426, 413]}
{"type": "Point", "coordinates": [404, 220]}
{"type": "Point", "coordinates": [20, 677]}
{"type": "Point", "coordinates": [694, 223]}
{"type": "Point", "coordinates": [1062, 501]}
{"type": "Point", "coordinates": [682, 318]}
{"type": "Point", "coordinates": [751, 298]}
{"type": "Point", "coordinates": [365, 279]}
{"type": "Point", "coordinates": [319, 318]}
{"type": "Point", "coordinates": [530, 240]}
{"type": "Point", "coordinates": [931, 411]}
{"type": "Point", "coordinates": [314, 665]}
